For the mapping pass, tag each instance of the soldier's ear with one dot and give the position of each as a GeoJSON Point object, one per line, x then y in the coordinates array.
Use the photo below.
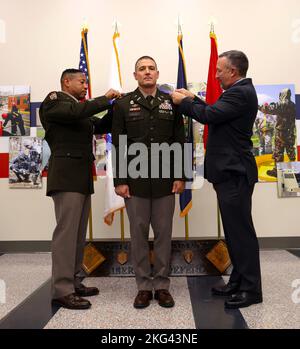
{"type": "Point", "coordinates": [66, 82]}
{"type": "Point", "coordinates": [134, 74]}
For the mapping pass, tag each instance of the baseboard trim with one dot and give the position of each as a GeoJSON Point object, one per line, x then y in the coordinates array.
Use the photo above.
{"type": "Point", "coordinates": [287, 242]}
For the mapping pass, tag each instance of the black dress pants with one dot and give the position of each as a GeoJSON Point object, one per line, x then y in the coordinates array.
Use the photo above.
{"type": "Point", "coordinates": [235, 202]}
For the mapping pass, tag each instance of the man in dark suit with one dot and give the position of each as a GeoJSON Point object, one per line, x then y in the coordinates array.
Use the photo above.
{"type": "Point", "coordinates": [69, 127]}
{"type": "Point", "coordinates": [148, 117]}
{"type": "Point", "coordinates": [231, 168]}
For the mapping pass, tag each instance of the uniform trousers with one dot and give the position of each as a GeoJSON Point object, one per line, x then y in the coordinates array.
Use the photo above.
{"type": "Point", "coordinates": [159, 213]}
{"type": "Point", "coordinates": [72, 213]}
{"type": "Point", "coordinates": [235, 202]}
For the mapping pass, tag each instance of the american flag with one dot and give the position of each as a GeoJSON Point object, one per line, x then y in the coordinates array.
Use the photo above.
{"type": "Point", "coordinates": [84, 65]}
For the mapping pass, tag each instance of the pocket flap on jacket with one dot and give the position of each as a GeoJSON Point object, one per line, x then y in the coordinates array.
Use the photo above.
{"type": "Point", "coordinates": [134, 117]}
{"type": "Point", "coordinates": [166, 116]}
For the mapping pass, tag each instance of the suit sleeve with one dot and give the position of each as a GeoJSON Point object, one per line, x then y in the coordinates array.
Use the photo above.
{"type": "Point", "coordinates": [229, 107]}
{"type": "Point", "coordinates": [65, 111]}
{"type": "Point", "coordinates": [118, 129]}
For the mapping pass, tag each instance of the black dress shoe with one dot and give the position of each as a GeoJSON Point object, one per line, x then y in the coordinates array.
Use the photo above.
{"type": "Point", "coordinates": [143, 298]}
{"type": "Point", "coordinates": [226, 290]}
{"type": "Point", "coordinates": [85, 291]}
{"type": "Point", "coordinates": [71, 301]}
{"type": "Point", "coordinates": [164, 298]}
{"type": "Point", "coordinates": [243, 299]}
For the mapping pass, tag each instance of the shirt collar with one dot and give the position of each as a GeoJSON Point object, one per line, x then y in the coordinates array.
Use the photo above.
{"type": "Point", "coordinates": [70, 96]}
{"type": "Point", "coordinates": [145, 95]}
{"type": "Point", "coordinates": [238, 81]}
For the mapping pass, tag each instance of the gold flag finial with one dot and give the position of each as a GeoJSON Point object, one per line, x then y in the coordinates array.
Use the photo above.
{"type": "Point", "coordinates": [179, 25]}
{"type": "Point", "coordinates": [85, 27]}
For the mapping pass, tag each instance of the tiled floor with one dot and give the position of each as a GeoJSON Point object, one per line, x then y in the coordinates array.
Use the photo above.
{"type": "Point", "coordinates": [22, 275]}
{"type": "Point", "coordinates": [279, 269]}
{"type": "Point", "coordinates": [112, 309]}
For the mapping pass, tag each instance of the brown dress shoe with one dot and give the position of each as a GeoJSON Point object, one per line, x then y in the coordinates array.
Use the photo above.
{"type": "Point", "coordinates": [143, 298]}
{"type": "Point", "coordinates": [71, 301]}
{"type": "Point", "coordinates": [164, 298]}
{"type": "Point", "coordinates": [84, 291]}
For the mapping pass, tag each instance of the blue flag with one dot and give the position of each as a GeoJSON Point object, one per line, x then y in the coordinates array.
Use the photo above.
{"type": "Point", "coordinates": [185, 199]}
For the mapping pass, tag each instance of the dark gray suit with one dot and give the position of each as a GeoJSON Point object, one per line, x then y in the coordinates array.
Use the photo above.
{"type": "Point", "coordinates": [231, 167]}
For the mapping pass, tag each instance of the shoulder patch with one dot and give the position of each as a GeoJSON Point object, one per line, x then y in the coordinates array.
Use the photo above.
{"type": "Point", "coordinates": [53, 96]}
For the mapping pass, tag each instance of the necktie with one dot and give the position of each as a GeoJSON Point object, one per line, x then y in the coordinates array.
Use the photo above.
{"type": "Point", "coordinates": [149, 100]}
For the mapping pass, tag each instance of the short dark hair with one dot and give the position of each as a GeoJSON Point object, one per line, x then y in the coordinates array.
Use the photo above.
{"type": "Point", "coordinates": [67, 72]}
{"type": "Point", "coordinates": [237, 59]}
{"type": "Point", "coordinates": [144, 57]}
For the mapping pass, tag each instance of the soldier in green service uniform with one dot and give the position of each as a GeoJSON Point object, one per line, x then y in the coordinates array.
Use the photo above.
{"type": "Point", "coordinates": [148, 117]}
{"type": "Point", "coordinates": [285, 110]}
{"type": "Point", "coordinates": [69, 127]}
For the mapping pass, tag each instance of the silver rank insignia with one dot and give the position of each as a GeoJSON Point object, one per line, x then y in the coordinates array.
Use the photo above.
{"type": "Point", "coordinates": [131, 102]}
{"type": "Point", "coordinates": [53, 96]}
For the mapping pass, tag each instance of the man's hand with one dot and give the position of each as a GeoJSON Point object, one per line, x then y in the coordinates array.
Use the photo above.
{"type": "Point", "coordinates": [178, 187]}
{"type": "Point", "coordinates": [111, 94]}
{"type": "Point", "coordinates": [123, 190]}
{"type": "Point", "coordinates": [185, 92]}
{"type": "Point", "coordinates": [180, 94]}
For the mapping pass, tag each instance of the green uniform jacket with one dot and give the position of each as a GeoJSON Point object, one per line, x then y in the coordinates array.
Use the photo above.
{"type": "Point", "coordinates": [69, 127]}
{"type": "Point", "coordinates": [142, 123]}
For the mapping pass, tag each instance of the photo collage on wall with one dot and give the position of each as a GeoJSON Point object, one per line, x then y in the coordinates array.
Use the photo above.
{"type": "Point", "coordinates": [274, 137]}
{"type": "Point", "coordinates": [14, 111]}
{"type": "Point", "coordinates": [24, 152]}
{"type": "Point", "coordinates": [25, 162]}
{"type": "Point", "coordinates": [288, 182]}
{"type": "Point", "coordinates": [274, 132]}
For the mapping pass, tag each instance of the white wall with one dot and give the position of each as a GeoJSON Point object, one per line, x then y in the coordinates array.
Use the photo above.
{"type": "Point", "coordinates": [39, 39]}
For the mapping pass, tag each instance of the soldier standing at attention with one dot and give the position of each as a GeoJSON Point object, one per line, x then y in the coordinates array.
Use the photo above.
{"type": "Point", "coordinates": [147, 116]}
{"type": "Point", "coordinates": [69, 127]}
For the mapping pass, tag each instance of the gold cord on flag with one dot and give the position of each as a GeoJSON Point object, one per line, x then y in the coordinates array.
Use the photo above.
{"type": "Point", "coordinates": [117, 35]}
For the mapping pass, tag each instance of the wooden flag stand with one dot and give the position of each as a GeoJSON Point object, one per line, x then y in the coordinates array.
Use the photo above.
{"type": "Point", "coordinates": [219, 255]}
{"type": "Point", "coordinates": [92, 258]}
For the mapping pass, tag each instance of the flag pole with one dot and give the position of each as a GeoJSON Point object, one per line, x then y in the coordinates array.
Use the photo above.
{"type": "Point", "coordinates": [187, 254]}
{"type": "Point", "coordinates": [92, 258]}
{"type": "Point", "coordinates": [218, 221]}
{"type": "Point", "coordinates": [218, 255]}
{"type": "Point", "coordinates": [122, 256]}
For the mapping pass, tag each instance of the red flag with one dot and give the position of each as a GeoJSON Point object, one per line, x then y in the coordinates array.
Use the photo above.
{"type": "Point", "coordinates": [213, 88]}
